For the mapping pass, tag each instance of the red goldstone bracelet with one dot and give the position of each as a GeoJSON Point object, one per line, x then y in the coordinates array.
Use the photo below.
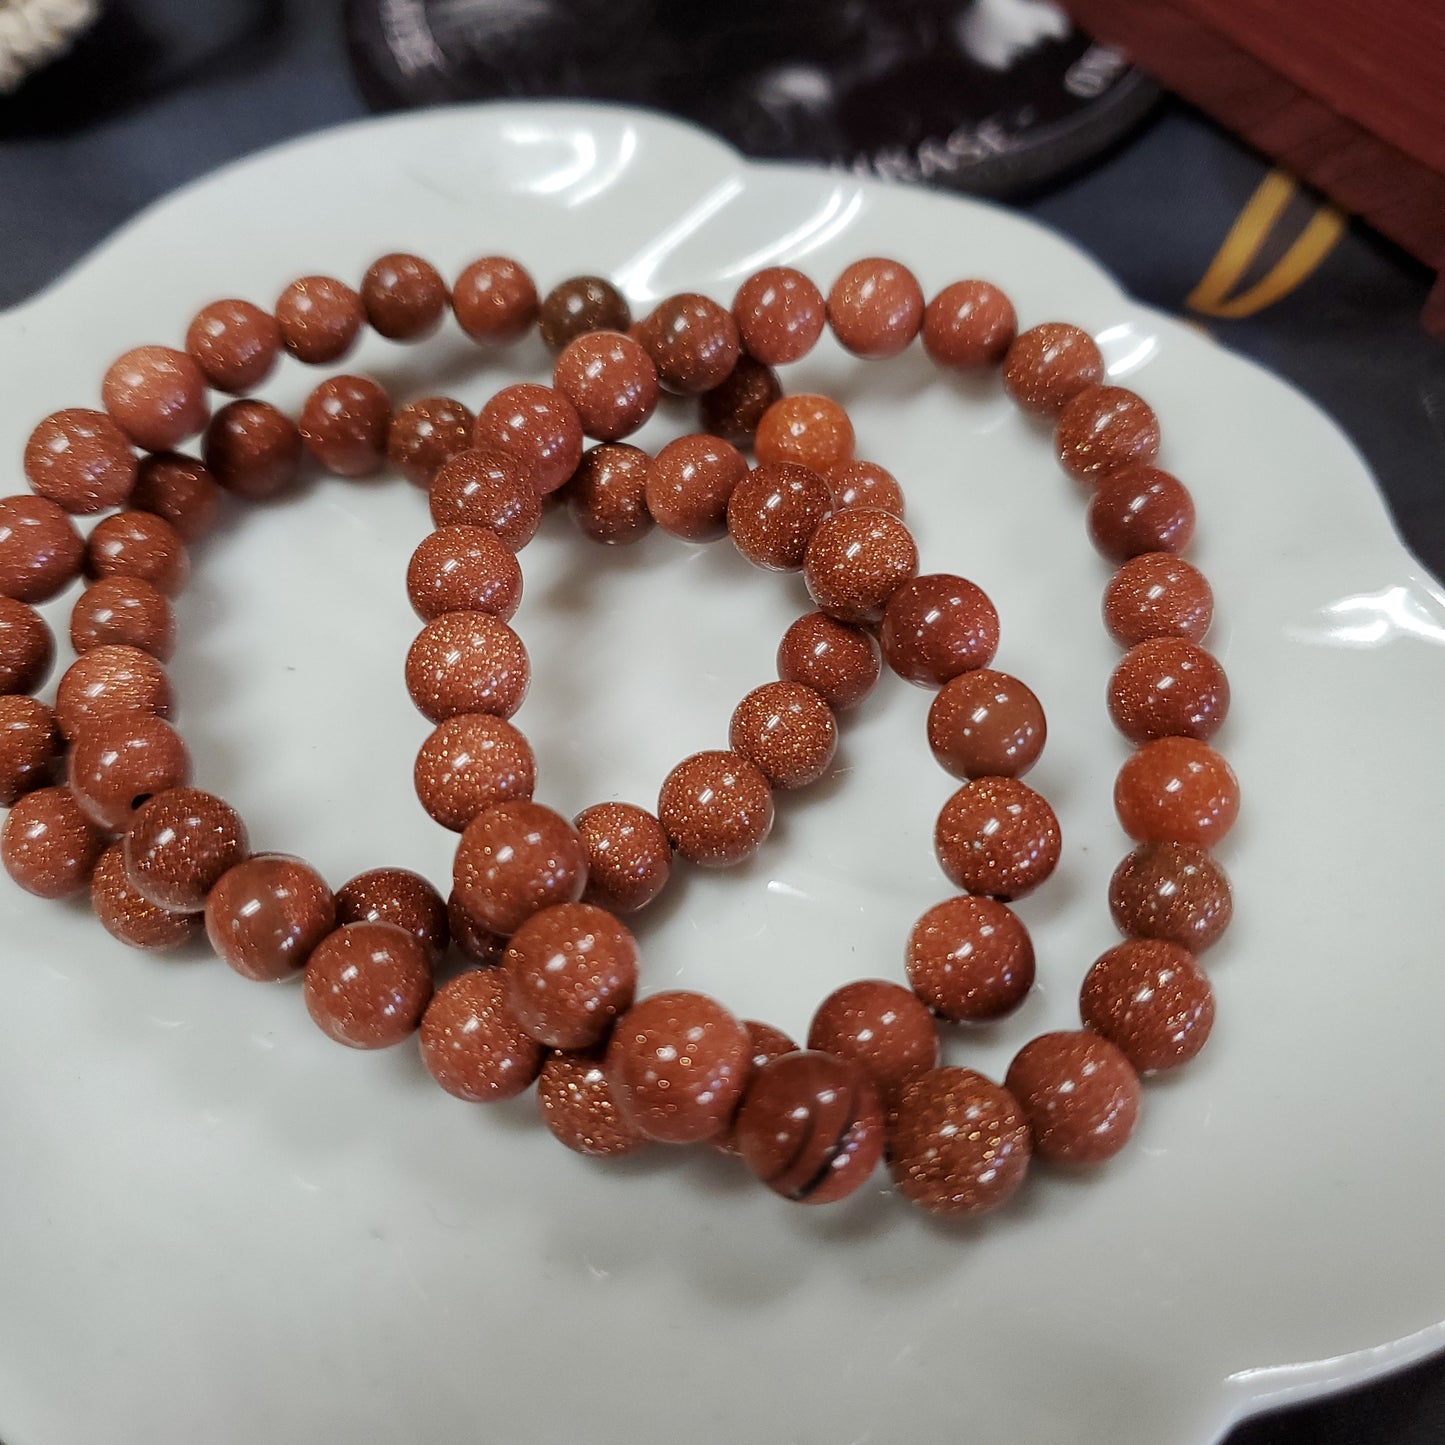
{"type": "Point", "coordinates": [536, 899]}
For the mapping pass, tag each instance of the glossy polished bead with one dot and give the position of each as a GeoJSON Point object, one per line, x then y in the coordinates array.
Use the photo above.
{"type": "Point", "coordinates": [607, 495]}
{"type": "Point", "coordinates": [629, 857]}
{"type": "Point", "coordinates": [968, 325]}
{"type": "Point", "coordinates": [538, 426]}
{"type": "Point", "coordinates": [936, 627]}
{"type": "Point", "coordinates": [773, 512]}
{"type": "Point", "coordinates": [677, 1064]}
{"type": "Point", "coordinates": [692, 341]}
{"type": "Point", "coordinates": [570, 971]}
{"type": "Point", "coordinates": [856, 560]}
{"type": "Point", "coordinates": [139, 544]}
{"type": "Point", "coordinates": [30, 747]}
{"type": "Point", "coordinates": [1140, 509]}
{"type": "Point", "coordinates": [1105, 428]}
{"type": "Point", "coordinates": [865, 484]}
{"type": "Point", "coordinates": [367, 985]}
{"type": "Point", "coordinates": [470, 762]}
{"type": "Point", "coordinates": [487, 488]}
{"type": "Point", "coordinates": [81, 461]}
{"type": "Point", "coordinates": [1171, 891]}
{"type": "Point", "coordinates": [48, 846]}
{"type": "Point", "coordinates": [319, 318]}
{"type": "Point", "coordinates": [986, 724]}
{"type": "Point", "coordinates": [813, 431]}
{"type": "Point", "coordinates": [689, 483]}
{"type": "Point", "coordinates": [1157, 595]}
{"type": "Point", "coordinates": [106, 682]}
{"type": "Point", "coordinates": [787, 731]}
{"type": "Point", "coordinates": [179, 490]}
{"type": "Point", "coordinates": [1168, 688]}
{"type": "Point", "coordinates": [266, 916]}
{"type": "Point", "coordinates": [40, 550]}
{"type": "Point", "coordinates": [27, 647]}
{"type": "Point", "coordinates": [581, 304]}
{"type": "Point", "coordinates": [970, 959]}
{"type": "Point", "coordinates": [344, 424]}
{"type": "Point", "coordinates": [156, 396]}
{"type": "Point", "coordinates": [780, 315]}
{"type": "Point", "coordinates": [767, 1044]}
{"type": "Point", "coordinates": [879, 1025]}
{"type": "Point", "coordinates": [998, 837]}
{"type": "Point", "coordinates": [399, 896]}
{"type": "Point", "coordinates": [515, 859]}
{"type": "Point", "coordinates": [875, 307]}
{"type": "Point", "coordinates": [423, 434]}
{"type": "Point", "coordinates": [734, 408]}
{"type": "Point", "coordinates": [610, 380]}
{"type": "Point", "coordinates": [1048, 364]}
{"type": "Point", "coordinates": [134, 920]}
{"type": "Point", "coordinates": [1176, 790]}
{"type": "Point", "coordinates": [473, 941]}
{"type": "Point", "coordinates": [472, 1044]}
{"type": "Point", "coordinates": [1079, 1094]}
{"type": "Point", "coordinates": [179, 845]}
{"type": "Point", "coordinates": [466, 662]}
{"type": "Point", "coordinates": [717, 808]}
{"type": "Point", "coordinates": [579, 1109]}
{"type": "Point", "coordinates": [810, 1127]}
{"type": "Point", "coordinates": [463, 569]}
{"type": "Point", "coordinates": [958, 1144]}
{"type": "Point", "coordinates": [123, 610]}
{"type": "Point", "coordinates": [235, 344]}
{"type": "Point", "coordinates": [404, 297]}
{"type": "Point", "coordinates": [1151, 1001]}
{"type": "Point", "coordinates": [495, 300]}
{"type": "Point", "coordinates": [839, 662]}
{"type": "Point", "coordinates": [253, 450]}
{"type": "Point", "coordinates": [118, 764]}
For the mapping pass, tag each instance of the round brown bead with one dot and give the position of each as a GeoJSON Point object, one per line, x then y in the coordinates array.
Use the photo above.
{"type": "Point", "coordinates": [1103, 429]}
{"type": "Point", "coordinates": [139, 544]}
{"type": "Point", "coordinates": [515, 859]}
{"type": "Point", "coordinates": [856, 560]}
{"type": "Point", "coordinates": [773, 512]}
{"type": "Point", "coordinates": [812, 431]}
{"type": "Point", "coordinates": [581, 304]}
{"type": "Point", "coordinates": [404, 297]}
{"type": "Point", "coordinates": [1157, 595]}
{"type": "Point", "coordinates": [986, 724]}
{"type": "Point", "coordinates": [538, 426]}
{"type": "Point", "coordinates": [319, 318]}
{"type": "Point", "coordinates": [689, 483]}
{"type": "Point", "coordinates": [1168, 688]}
{"type": "Point", "coordinates": [179, 490]}
{"type": "Point", "coordinates": [470, 762]}
{"type": "Point", "coordinates": [767, 1044]}
{"type": "Point", "coordinates": [998, 837]}
{"type": "Point", "coordinates": [880, 1026]}
{"type": "Point", "coordinates": [787, 731]}
{"type": "Point", "coordinates": [610, 380]}
{"type": "Point", "coordinates": [936, 627]}
{"type": "Point", "coordinates": [608, 494]}
{"type": "Point", "coordinates": [495, 300]}
{"type": "Point", "coordinates": [734, 409]}
{"type": "Point", "coordinates": [40, 550]}
{"type": "Point", "coordinates": [235, 344]}
{"type": "Point", "coordinates": [1140, 509]}
{"type": "Point", "coordinates": [1176, 790]}
{"type": "Point", "coordinates": [156, 396]}
{"type": "Point", "coordinates": [1151, 1001]}
{"type": "Point", "coordinates": [677, 1064]}
{"type": "Point", "coordinates": [109, 681]}
{"type": "Point", "coordinates": [1049, 364]}
{"type": "Point", "coordinates": [692, 341]}
{"type": "Point", "coordinates": [958, 1144]}
{"type": "Point", "coordinates": [839, 662]}
{"type": "Point", "coordinates": [367, 985]}
{"type": "Point", "coordinates": [464, 569]}
{"type": "Point", "coordinates": [27, 647]}
{"type": "Point", "coordinates": [48, 846]}
{"type": "Point", "coordinates": [780, 315]}
{"type": "Point", "coordinates": [810, 1127]}
{"type": "Point", "coordinates": [474, 941]}
{"type": "Point", "coordinates": [1079, 1094]}
{"type": "Point", "coordinates": [629, 857]}
{"type": "Point", "coordinates": [472, 1044]}
{"type": "Point", "coordinates": [399, 896]}
{"type": "Point", "coordinates": [424, 434]}
{"type": "Point", "coordinates": [1171, 891]}
{"type": "Point", "coordinates": [579, 1109]}
{"type": "Point", "coordinates": [968, 325]}
{"type": "Point", "coordinates": [875, 307]}
{"type": "Point", "coordinates": [125, 915]}
{"type": "Point", "coordinates": [865, 484]}
{"type": "Point", "coordinates": [467, 662]}
{"type": "Point", "coordinates": [717, 808]}
{"type": "Point", "coordinates": [345, 423]}
{"type": "Point", "coordinates": [253, 450]}
{"type": "Point", "coordinates": [266, 916]}
{"type": "Point", "coordinates": [970, 959]}
{"type": "Point", "coordinates": [30, 747]}
{"type": "Point", "coordinates": [118, 764]}
{"type": "Point", "coordinates": [80, 460]}
{"type": "Point", "coordinates": [487, 488]}
{"type": "Point", "coordinates": [125, 611]}
{"type": "Point", "coordinates": [179, 845]}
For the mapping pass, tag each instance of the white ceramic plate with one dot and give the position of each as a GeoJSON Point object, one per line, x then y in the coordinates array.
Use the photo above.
{"type": "Point", "coordinates": [215, 1224]}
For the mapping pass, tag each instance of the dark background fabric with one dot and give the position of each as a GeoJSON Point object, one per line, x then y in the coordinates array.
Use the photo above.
{"type": "Point", "coordinates": [165, 90]}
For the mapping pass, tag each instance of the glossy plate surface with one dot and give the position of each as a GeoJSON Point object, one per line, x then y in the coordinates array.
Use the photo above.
{"type": "Point", "coordinates": [215, 1224]}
